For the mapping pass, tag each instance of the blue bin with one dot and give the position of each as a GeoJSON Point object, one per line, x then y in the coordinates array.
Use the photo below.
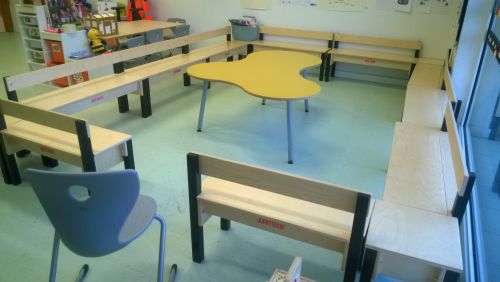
{"type": "Point", "coordinates": [245, 33]}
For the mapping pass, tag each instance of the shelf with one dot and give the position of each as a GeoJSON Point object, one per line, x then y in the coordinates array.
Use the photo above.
{"type": "Point", "coordinates": [50, 36]}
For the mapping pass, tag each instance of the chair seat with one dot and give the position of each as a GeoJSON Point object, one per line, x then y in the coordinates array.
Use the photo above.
{"type": "Point", "coordinates": [139, 219]}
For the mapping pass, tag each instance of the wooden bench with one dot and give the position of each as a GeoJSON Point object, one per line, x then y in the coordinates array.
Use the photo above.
{"type": "Point", "coordinates": [318, 213]}
{"type": "Point", "coordinates": [373, 51]}
{"type": "Point", "coordinates": [60, 137]}
{"type": "Point", "coordinates": [324, 42]}
{"type": "Point", "coordinates": [81, 96]}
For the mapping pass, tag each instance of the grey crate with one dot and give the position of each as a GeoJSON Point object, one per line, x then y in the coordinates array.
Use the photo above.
{"type": "Point", "coordinates": [245, 33]}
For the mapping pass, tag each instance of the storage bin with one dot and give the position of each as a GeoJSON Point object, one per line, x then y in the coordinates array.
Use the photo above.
{"type": "Point", "coordinates": [28, 20]}
{"type": "Point", "coordinates": [37, 56]}
{"type": "Point", "coordinates": [56, 51]}
{"type": "Point", "coordinates": [33, 33]}
{"type": "Point", "coordinates": [62, 81]}
{"type": "Point", "coordinates": [245, 33]}
{"type": "Point", "coordinates": [34, 44]}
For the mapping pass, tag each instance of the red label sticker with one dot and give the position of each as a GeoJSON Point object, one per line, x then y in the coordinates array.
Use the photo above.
{"type": "Point", "coordinates": [95, 99]}
{"type": "Point", "coordinates": [370, 61]}
{"type": "Point", "coordinates": [271, 223]}
{"type": "Point", "coordinates": [176, 71]}
{"type": "Point", "coordinates": [47, 149]}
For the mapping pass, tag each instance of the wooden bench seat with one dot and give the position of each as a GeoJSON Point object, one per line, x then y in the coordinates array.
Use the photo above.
{"type": "Point", "coordinates": [59, 137]}
{"type": "Point", "coordinates": [314, 212]}
{"type": "Point", "coordinates": [323, 42]}
{"type": "Point", "coordinates": [373, 51]}
{"type": "Point", "coordinates": [424, 106]}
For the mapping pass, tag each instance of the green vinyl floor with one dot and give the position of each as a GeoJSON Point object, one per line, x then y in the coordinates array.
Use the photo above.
{"type": "Point", "coordinates": [345, 139]}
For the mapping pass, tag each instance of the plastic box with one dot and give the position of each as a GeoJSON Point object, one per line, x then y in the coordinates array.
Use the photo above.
{"type": "Point", "coordinates": [56, 51]}
{"type": "Point", "coordinates": [245, 33]}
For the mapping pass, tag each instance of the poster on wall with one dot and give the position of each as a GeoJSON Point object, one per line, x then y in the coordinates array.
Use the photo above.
{"type": "Point", "coordinates": [437, 7]}
{"type": "Point", "coordinates": [395, 5]}
{"type": "Point", "coordinates": [105, 6]}
{"type": "Point", "coordinates": [256, 4]}
{"type": "Point", "coordinates": [422, 6]}
{"type": "Point", "coordinates": [343, 5]}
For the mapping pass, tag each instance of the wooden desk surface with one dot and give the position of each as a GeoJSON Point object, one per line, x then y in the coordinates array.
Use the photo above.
{"type": "Point", "coordinates": [415, 233]}
{"type": "Point", "coordinates": [266, 74]}
{"type": "Point", "coordinates": [126, 28]}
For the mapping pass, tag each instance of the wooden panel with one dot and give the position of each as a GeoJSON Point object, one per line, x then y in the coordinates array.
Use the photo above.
{"type": "Point", "coordinates": [371, 62]}
{"type": "Point", "coordinates": [450, 183]}
{"type": "Point", "coordinates": [414, 174]}
{"type": "Point", "coordinates": [427, 237]}
{"type": "Point", "coordinates": [424, 106]}
{"type": "Point", "coordinates": [290, 46]}
{"type": "Point", "coordinates": [298, 219]}
{"type": "Point", "coordinates": [461, 172]}
{"type": "Point", "coordinates": [207, 35]}
{"type": "Point", "coordinates": [376, 41]}
{"type": "Point", "coordinates": [298, 33]}
{"type": "Point", "coordinates": [281, 183]}
{"type": "Point", "coordinates": [448, 83]}
{"type": "Point", "coordinates": [372, 55]}
{"type": "Point", "coordinates": [429, 75]}
{"type": "Point", "coordinates": [47, 118]}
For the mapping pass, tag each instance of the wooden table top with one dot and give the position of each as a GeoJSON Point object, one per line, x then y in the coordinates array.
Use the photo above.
{"type": "Point", "coordinates": [272, 75]}
{"type": "Point", "coordinates": [126, 28]}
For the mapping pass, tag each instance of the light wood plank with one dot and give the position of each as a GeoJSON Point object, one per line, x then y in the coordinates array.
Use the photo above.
{"type": "Point", "coordinates": [414, 174]}
{"type": "Point", "coordinates": [47, 118]}
{"type": "Point", "coordinates": [298, 219]}
{"type": "Point", "coordinates": [208, 35]}
{"type": "Point", "coordinates": [372, 55]}
{"type": "Point", "coordinates": [376, 41]}
{"type": "Point", "coordinates": [298, 33]}
{"type": "Point", "coordinates": [290, 46]}
{"type": "Point", "coordinates": [414, 233]}
{"type": "Point", "coordinates": [281, 183]}
{"type": "Point", "coordinates": [126, 28]}
{"type": "Point", "coordinates": [429, 75]}
{"type": "Point", "coordinates": [424, 106]}
{"type": "Point", "coordinates": [460, 167]}
{"type": "Point", "coordinates": [371, 62]}
{"type": "Point", "coordinates": [450, 91]}
{"type": "Point", "coordinates": [450, 182]}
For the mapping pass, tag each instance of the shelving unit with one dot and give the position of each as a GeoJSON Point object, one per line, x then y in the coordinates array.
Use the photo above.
{"type": "Point", "coordinates": [32, 21]}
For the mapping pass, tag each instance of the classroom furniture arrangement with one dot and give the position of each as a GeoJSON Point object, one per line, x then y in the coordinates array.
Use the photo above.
{"type": "Point", "coordinates": [89, 207]}
{"type": "Point", "coordinates": [274, 75]}
{"type": "Point", "coordinates": [427, 178]}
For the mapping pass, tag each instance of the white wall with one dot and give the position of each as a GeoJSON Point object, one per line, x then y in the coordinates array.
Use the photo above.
{"type": "Point", "coordinates": [437, 32]}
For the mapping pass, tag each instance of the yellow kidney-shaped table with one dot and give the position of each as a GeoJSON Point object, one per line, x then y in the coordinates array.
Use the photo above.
{"type": "Point", "coordinates": [275, 75]}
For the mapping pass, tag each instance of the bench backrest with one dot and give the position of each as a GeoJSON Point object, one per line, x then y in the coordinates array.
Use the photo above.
{"type": "Point", "coordinates": [378, 42]}
{"type": "Point", "coordinates": [463, 177]}
{"type": "Point", "coordinates": [289, 185]}
{"type": "Point", "coordinates": [13, 83]}
{"type": "Point", "coordinates": [296, 33]}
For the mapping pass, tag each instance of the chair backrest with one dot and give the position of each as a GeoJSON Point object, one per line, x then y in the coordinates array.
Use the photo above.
{"type": "Point", "coordinates": [135, 41]}
{"type": "Point", "coordinates": [181, 30]}
{"type": "Point", "coordinates": [89, 209]}
{"type": "Point", "coordinates": [153, 36]}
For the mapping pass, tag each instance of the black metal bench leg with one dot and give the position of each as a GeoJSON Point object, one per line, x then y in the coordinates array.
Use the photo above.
{"type": "Point", "coordinates": [322, 67]}
{"type": "Point", "coordinates": [225, 224]}
{"type": "Point", "coordinates": [194, 188]}
{"type": "Point", "coordinates": [13, 169]}
{"type": "Point", "coordinates": [187, 79]}
{"type": "Point", "coordinates": [49, 162]}
{"type": "Point", "coordinates": [128, 161]}
{"type": "Point", "coordinates": [146, 99]}
{"type": "Point", "coordinates": [23, 153]}
{"type": "Point", "coordinates": [368, 265]}
{"type": "Point", "coordinates": [123, 104]}
{"type": "Point", "coordinates": [327, 67]}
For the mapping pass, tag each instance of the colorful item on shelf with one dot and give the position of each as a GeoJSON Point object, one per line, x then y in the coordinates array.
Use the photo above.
{"type": "Point", "coordinates": [64, 12]}
{"type": "Point", "coordinates": [105, 23]}
{"type": "Point", "coordinates": [138, 10]}
{"type": "Point", "coordinates": [96, 43]}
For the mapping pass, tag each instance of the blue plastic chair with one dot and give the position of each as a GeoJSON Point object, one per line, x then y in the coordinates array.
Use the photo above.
{"type": "Point", "coordinates": [95, 213]}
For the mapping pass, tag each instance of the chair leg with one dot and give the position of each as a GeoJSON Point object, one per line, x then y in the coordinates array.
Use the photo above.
{"type": "Point", "coordinates": [306, 105]}
{"type": "Point", "coordinates": [49, 162]}
{"type": "Point", "coordinates": [161, 255]}
{"type": "Point", "coordinates": [128, 161]}
{"type": "Point", "coordinates": [263, 102]}
{"type": "Point", "coordinates": [55, 255]}
{"type": "Point", "coordinates": [225, 224]}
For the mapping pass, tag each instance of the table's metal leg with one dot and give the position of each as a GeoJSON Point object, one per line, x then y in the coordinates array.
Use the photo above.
{"type": "Point", "coordinates": [263, 101]}
{"type": "Point", "coordinates": [202, 106]}
{"type": "Point", "coordinates": [289, 131]}
{"type": "Point", "coordinates": [306, 103]}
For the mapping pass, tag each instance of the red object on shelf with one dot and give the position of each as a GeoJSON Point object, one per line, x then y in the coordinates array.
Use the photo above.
{"type": "Point", "coordinates": [62, 81]}
{"type": "Point", "coordinates": [56, 51]}
{"type": "Point", "coordinates": [79, 77]}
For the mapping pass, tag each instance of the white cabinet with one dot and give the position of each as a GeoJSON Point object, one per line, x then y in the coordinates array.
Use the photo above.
{"type": "Point", "coordinates": [32, 21]}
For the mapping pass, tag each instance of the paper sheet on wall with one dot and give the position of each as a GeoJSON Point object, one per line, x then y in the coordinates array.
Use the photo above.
{"type": "Point", "coordinates": [256, 4]}
{"type": "Point", "coordinates": [300, 2]}
{"type": "Point", "coordinates": [441, 7]}
{"type": "Point", "coordinates": [343, 5]}
{"type": "Point", "coordinates": [422, 6]}
{"type": "Point", "coordinates": [395, 5]}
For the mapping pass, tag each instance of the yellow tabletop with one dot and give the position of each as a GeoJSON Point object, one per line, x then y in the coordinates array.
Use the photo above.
{"type": "Point", "coordinates": [266, 74]}
{"type": "Point", "coordinates": [137, 27]}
